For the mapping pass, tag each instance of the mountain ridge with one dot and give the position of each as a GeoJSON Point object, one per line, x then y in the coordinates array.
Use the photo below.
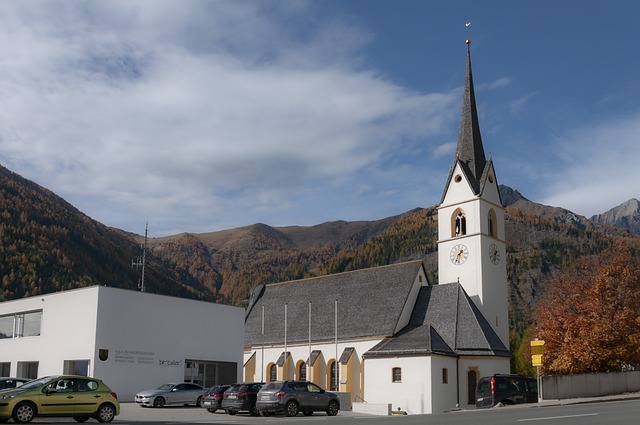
{"type": "Point", "coordinates": [223, 266]}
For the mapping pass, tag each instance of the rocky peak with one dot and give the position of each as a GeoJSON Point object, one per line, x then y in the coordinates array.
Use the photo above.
{"type": "Point", "coordinates": [625, 216]}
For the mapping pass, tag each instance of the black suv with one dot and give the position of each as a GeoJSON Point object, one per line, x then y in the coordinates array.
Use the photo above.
{"type": "Point", "coordinates": [292, 397]}
{"type": "Point", "coordinates": [241, 397]}
{"type": "Point", "coordinates": [506, 389]}
{"type": "Point", "coordinates": [212, 399]}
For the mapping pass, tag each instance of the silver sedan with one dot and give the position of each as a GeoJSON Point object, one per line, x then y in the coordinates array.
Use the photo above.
{"type": "Point", "coordinates": [173, 393]}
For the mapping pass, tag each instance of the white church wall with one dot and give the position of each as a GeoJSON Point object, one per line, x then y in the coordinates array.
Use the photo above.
{"type": "Point", "coordinates": [413, 394]}
{"type": "Point", "coordinates": [485, 366]}
{"type": "Point", "coordinates": [300, 353]}
{"type": "Point", "coordinates": [444, 387]}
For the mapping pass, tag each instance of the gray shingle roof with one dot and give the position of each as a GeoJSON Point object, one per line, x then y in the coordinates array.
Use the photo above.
{"type": "Point", "coordinates": [444, 321]}
{"type": "Point", "coordinates": [370, 303]}
{"type": "Point", "coordinates": [469, 151]}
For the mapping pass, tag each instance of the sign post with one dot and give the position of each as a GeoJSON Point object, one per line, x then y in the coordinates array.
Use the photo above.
{"type": "Point", "coordinates": [537, 351]}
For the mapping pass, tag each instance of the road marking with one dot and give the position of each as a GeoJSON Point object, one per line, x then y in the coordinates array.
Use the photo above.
{"type": "Point", "coordinates": [558, 417]}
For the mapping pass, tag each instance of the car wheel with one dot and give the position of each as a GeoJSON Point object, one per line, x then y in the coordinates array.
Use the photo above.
{"type": "Point", "coordinates": [332, 408]}
{"type": "Point", "coordinates": [307, 412]}
{"type": "Point", "coordinates": [265, 414]}
{"type": "Point", "coordinates": [106, 413]}
{"type": "Point", "coordinates": [199, 401]}
{"type": "Point", "coordinates": [253, 410]}
{"type": "Point", "coordinates": [24, 412]}
{"type": "Point", "coordinates": [211, 410]}
{"type": "Point", "coordinates": [291, 409]}
{"type": "Point", "coordinates": [159, 402]}
{"type": "Point", "coordinates": [231, 412]}
{"type": "Point", "coordinates": [81, 418]}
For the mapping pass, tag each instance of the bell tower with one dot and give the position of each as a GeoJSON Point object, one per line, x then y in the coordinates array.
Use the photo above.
{"type": "Point", "coordinates": [471, 231]}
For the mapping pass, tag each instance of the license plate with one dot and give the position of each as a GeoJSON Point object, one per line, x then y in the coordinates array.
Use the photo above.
{"type": "Point", "coordinates": [232, 396]}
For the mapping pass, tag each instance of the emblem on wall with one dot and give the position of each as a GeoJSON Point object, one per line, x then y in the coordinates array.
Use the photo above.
{"type": "Point", "coordinates": [103, 354]}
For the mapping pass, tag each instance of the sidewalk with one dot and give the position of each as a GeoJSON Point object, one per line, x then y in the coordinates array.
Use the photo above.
{"type": "Point", "coordinates": [562, 402]}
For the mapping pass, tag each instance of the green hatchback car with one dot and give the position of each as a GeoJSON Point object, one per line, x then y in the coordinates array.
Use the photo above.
{"type": "Point", "coordinates": [79, 397]}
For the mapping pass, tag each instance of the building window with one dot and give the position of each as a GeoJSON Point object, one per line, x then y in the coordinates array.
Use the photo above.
{"type": "Point", "coordinates": [5, 369]}
{"type": "Point", "coordinates": [302, 371]}
{"type": "Point", "coordinates": [459, 223]}
{"type": "Point", "coordinates": [273, 373]}
{"type": "Point", "coordinates": [472, 380]}
{"type": "Point", "coordinates": [28, 370]}
{"type": "Point", "coordinates": [492, 224]}
{"type": "Point", "coordinates": [334, 376]}
{"type": "Point", "coordinates": [445, 375]}
{"type": "Point", "coordinates": [20, 325]}
{"type": "Point", "coordinates": [76, 367]}
{"type": "Point", "coordinates": [396, 374]}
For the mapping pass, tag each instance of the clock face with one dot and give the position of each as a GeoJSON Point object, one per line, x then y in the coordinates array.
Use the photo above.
{"type": "Point", "coordinates": [459, 254]}
{"type": "Point", "coordinates": [494, 254]}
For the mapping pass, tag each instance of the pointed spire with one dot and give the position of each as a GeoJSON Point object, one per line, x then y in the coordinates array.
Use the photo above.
{"type": "Point", "coordinates": [470, 151]}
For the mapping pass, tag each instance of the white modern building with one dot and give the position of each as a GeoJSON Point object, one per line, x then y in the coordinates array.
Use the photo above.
{"type": "Point", "coordinates": [386, 335]}
{"type": "Point", "coordinates": [131, 340]}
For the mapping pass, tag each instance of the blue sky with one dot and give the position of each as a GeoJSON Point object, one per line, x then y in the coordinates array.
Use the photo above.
{"type": "Point", "coordinates": [198, 116]}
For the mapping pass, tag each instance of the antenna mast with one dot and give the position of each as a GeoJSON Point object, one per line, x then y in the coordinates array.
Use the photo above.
{"type": "Point", "coordinates": [142, 261]}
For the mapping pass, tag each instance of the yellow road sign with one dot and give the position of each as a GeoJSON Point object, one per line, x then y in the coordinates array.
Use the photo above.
{"type": "Point", "coordinates": [537, 350]}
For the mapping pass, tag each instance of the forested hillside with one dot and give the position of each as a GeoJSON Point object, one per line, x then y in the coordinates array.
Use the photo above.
{"type": "Point", "coordinates": [47, 245]}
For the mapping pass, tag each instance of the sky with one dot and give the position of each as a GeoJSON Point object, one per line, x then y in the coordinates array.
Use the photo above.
{"type": "Point", "coordinates": [200, 116]}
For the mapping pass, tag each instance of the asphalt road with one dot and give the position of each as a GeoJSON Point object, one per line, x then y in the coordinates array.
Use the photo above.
{"type": "Point", "coordinates": [613, 412]}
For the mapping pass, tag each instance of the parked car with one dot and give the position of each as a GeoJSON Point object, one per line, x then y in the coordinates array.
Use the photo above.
{"type": "Point", "coordinates": [212, 399]}
{"type": "Point", "coordinates": [184, 393]}
{"type": "Point", "coordinates": [12, 382]}
{"type": "Point", "coordinates": [506, 389]}
{"type": "Point", "coordinates": [292, 397]}
{"type": "Point", "coordinates": [79, 397]}
{"type": "Point", "coordinates": [241, 397]}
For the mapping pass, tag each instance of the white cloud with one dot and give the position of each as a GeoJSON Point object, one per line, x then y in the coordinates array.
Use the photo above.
{"type": "Point", "coordinates": [197, 113]}
{"type": "Point", "coordinates": [599, 167]}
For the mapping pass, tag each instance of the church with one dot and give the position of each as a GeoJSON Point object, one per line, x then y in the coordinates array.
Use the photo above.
{"type": "Point", "coordinates": [386, 338]}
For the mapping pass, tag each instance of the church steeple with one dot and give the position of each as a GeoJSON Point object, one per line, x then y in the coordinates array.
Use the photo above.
{"type": "Point", "coordinates": [470, 151]}
{"type": "Point", "coordinates": [471, 230]}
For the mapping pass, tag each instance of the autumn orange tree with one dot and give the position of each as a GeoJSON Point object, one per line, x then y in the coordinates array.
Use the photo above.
{"type": "Point", "coordinates": [590, 317]}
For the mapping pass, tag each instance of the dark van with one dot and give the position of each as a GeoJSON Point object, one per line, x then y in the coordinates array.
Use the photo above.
{"type": "Point", "coordinates": [506, 389]}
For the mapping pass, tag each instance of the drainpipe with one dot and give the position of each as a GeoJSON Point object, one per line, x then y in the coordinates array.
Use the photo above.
{"type": "Point", "coordinates": [457, 381]}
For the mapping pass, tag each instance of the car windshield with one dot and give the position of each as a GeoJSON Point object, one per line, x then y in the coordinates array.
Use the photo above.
{"type": "Point", "coordinates": [165, 387]}
{"type": "Point", "coordinates": [35, 383]}
{"type": "Point", "coordinates": [272, 386]}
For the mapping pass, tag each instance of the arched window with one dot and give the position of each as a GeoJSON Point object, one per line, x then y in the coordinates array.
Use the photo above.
{"type": "Point", "coordinates": [273, 372]}
{"type": "Point", "coordinates": [492, 223]}
{"type": "Point", "coordinates": [302, 371]}
{"type": "Point", "coordinates": [334, 375]}
{"type": "Point", "coordinates": [459, 223]}
{"type": "Point", "coordinates": [472, 379]}
{"type": "Point", "coordinates": [396, 374]}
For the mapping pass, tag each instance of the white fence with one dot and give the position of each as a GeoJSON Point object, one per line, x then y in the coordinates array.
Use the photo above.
{"type": "Point", "coordinates": [589, 385]}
